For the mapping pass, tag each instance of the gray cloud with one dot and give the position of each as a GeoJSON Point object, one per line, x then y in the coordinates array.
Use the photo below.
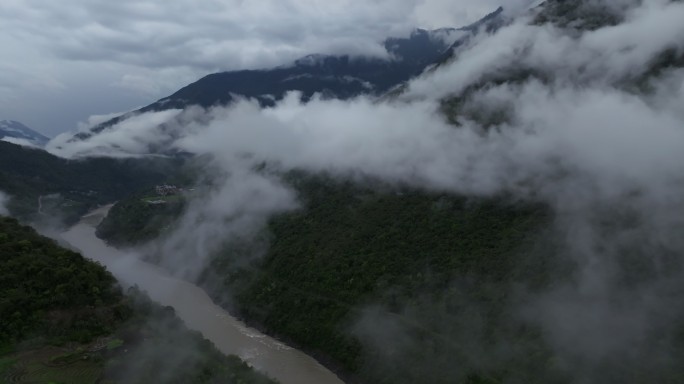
{"type": "Point", "coordinates": [65, 61]}
{"type": "Point", "coordinates": [18, 141]}
{"type": "Point", "coordinates": [226, 34]}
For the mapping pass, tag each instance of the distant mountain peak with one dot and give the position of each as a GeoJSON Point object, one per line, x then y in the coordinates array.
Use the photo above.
{"type": "Point", "coordinates": [18, 133]}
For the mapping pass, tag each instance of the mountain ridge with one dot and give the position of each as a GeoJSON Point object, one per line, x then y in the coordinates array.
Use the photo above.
{"type": "Point", "coordinates": [342, 77]}
{"type": "Point", "coordinates": [332, 76]}
{"type": "Point", "coordinates": [16, 130]}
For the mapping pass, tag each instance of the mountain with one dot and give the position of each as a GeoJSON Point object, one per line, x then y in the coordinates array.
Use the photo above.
{"type": "Point", "coordinates": [489, 23]}
{"type": "Point", "coordinates": [340, 77]}
{"type": "Point", "coordinates": [16, 130]}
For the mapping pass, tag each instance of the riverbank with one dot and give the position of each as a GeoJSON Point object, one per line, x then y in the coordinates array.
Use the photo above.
{"type": "Point", "coordinates": [322, 358]}
{"type": "Point", "coordinates": [198, 311]}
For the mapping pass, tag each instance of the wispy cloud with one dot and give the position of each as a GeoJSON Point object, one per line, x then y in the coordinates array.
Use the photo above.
{"type": "Point", "coordinates": [3, 203]}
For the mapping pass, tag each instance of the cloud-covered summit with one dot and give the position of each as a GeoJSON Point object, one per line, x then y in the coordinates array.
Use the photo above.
{"type": "Point", "coordinates": [65, 61]}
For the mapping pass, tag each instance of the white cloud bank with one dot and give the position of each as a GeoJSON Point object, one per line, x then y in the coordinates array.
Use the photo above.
{"type": "Point", "coordinates": [18, 141]}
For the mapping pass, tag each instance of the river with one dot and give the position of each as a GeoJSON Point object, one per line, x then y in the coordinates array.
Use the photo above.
{"type": "Point", "coordinates": [198, 311]}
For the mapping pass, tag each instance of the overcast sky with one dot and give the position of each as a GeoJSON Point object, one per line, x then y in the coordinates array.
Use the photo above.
{"type": "Point", "coordinates": [63, 61]}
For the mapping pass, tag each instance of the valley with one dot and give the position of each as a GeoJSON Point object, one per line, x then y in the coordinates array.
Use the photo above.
{"type": "Point", "coordinates": [196, 309]}
{"type": "Point", "coordinates": [338, 196]}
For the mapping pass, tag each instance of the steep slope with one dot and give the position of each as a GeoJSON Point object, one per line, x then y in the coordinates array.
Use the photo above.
{"type": "Point", "coordinates": [356, 252]}
{"type": "Point", "coordinates": [573, 19]}
{"type": "Point", "coordinates": [64, 320]}
{"type": "Point", "coordinates": [357, 260]}
{"type": "Point", "coordinates": [52, 292]}
{"type": "Point", "coordinates": [580, 15]}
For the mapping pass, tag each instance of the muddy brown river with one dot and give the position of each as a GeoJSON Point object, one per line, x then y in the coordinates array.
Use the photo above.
{"type": "Point", "coordinates": [198, 311]}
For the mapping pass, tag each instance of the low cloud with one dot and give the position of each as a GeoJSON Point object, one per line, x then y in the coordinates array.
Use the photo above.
{"type": "Point", "coordinates": [18, 141]}
{"type": "Point", "coordinates": [94, 120]}
{"type": "Point", "coordinates": [4, 199]}
{"type": "Point", "coordinates": [234, 210]}
{"type": "Point", "coordinates": [134, 136]}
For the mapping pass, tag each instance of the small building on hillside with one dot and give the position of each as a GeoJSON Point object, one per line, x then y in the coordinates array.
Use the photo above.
{"type": "Point", "coordinates": [166, 190]}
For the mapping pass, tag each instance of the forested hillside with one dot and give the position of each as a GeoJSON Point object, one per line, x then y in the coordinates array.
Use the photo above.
{"type": "Point", "coordinates": [354, 252]}
{"type": "Point", "coordinates": [64, 320]}
{"type": "Point", "coordinates": [390, 285]}
{"type": "Point", "coordinates": [51, 292]}
{"type": "Point", "coordinates": [69, 188]}
{"type": "Point", "coordinates": [140, 217]}
{"type": "Point", "coordinates": [353, 246]}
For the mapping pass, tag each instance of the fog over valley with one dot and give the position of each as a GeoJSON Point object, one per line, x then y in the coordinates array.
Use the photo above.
{"type": "Point", "coordinates": [496, 201]}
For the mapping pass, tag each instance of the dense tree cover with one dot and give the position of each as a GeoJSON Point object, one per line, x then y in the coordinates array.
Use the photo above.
{"type": "Point", "coordinates": [404, 286]}
{"type": "Point", "coordinates": [53, 296]}
{"type": "Point", "coordinates": [357, 249]}
{"type": "Point", "coordinates": [396, 285]}
{"type": "Point", "coordinates": [26, 174]}
{"type": "Point", "coordinates": [354, 249]}
{"type": "Point", "coordinates": [135, 220]}
{"type": "Point", "coordinates": [48, 291]}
